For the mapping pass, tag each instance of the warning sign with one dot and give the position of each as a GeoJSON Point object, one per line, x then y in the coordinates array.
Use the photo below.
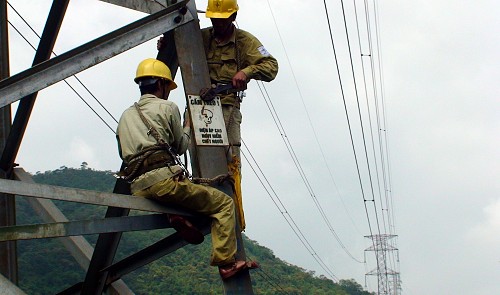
{"type": "Point", "coordinates": [208, 121]}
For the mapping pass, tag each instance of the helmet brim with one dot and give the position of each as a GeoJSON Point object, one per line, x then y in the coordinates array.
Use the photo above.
{"type": "Point", "coordinates": [218, 14]}
{"type": "Point", "coordinates": [146, 81]}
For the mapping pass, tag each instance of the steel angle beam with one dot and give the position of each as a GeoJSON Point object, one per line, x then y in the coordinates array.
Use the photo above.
{"type": "Point", "coordinates": [111, 273]}
{"type": "Point", "coordinates": [92, 53]}
{"type": "Point", "coordinates": [106, 246]}
{"type": "Point", "coordinates": [8, 251]}
{"type": "Point", "coordinates": [23, 113]}
{"type": "Point", "coordinates": [9, 288]}
{"type": "Point", "coordinates": [167, 54]}
{"type": "Point", "coordinates": [83, 227]}
{"type": "Point", "coordinates": [149, 254]}
{"type": "Point", "coordinates": [76, 289]}
{"type": "Point", "coordinates": [78, 246]}
{"type": "Point", "coordinates": [149, 7]}
{"type": "Point", "coordinates": [86, 196]}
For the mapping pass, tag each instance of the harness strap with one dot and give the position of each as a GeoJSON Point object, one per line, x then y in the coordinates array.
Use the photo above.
{"type": "Point", "coordinates": [150, 158]}
{"type": "Point", "coordinates": [151, 129]}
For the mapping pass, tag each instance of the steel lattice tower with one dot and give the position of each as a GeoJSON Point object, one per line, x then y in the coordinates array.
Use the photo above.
{"type": "Point", "coordinates": [177, 21]}
{"type": "Point", "coordinates": [388, 280]}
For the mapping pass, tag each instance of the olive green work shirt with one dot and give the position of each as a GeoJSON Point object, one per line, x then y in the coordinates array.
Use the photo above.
{"type": "Point", "coordinates": [224, 62]}
{"type": "Point", "coordinates": [132, 135]}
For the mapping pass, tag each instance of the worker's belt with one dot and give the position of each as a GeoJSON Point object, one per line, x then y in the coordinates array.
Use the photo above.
{"type": "Point", "coordinates": [227, 96]}
{"type": "Point", "coordinates": [138, 166]}
{"type": "Point", "coordinates": [226, 92]}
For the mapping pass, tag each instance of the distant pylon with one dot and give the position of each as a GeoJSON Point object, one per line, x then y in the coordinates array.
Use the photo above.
{"type": "Point", "coordinates": [388, 279]}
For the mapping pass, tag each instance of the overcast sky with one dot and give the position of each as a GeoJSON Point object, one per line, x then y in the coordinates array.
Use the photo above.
{"type": "Point", "coordinates": [439, 95]}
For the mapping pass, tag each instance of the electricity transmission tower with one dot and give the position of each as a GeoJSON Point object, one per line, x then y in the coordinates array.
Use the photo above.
{"type": "Point", "coordinates": [389, 282]}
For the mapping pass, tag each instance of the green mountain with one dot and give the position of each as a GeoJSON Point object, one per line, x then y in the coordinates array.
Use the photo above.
{"type": "Point", "coordinates": [45, 267]}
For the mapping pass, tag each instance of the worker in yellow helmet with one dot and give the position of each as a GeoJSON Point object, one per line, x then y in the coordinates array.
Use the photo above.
{"type": "Point", "coordinates": [150, 138]}
{"type": "Point", "coordinates": [234, 57]}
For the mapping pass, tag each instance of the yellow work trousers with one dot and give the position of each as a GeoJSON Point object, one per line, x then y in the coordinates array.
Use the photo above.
{"type": "Point", "coordinates": [205, 200]}
{"type": "Point", "coordinates": [232, 119]}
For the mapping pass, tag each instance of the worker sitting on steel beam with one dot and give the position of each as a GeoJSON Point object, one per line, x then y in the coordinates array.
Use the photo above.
{"type": "Point", "coordinates": [150, 138]}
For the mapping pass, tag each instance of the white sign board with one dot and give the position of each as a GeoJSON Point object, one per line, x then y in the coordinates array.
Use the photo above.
{"type": "Point", "coordinates": [208, 121]}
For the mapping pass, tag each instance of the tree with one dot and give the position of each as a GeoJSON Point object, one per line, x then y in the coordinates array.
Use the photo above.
{"type": "Point", "coordinates": [352, 287]}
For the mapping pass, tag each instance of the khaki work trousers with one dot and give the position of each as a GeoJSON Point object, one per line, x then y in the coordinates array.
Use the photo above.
{"type": "Point", "coordinates": [205, 200]}
{"type": "Point", "coordinates": [233, 118]}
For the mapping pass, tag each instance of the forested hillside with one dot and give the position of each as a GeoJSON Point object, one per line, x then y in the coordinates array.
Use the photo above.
{"type": "Point", "coordinates": [45, 267]}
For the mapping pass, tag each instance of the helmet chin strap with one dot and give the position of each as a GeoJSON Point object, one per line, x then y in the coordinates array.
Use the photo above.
{"type": "Point", "coordinates": [162, 86]}
{"type": "Point", "coordinates": [226, 32]}
{"type": "Point", "coordinates": [163, 91]}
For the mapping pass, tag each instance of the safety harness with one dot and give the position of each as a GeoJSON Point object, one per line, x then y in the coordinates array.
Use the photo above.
{"type": "Point", "coordinates": [159, 155]}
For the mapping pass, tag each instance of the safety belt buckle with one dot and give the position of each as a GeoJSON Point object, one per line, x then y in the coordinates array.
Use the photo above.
{"type": "Point", "coordinates": [240, 95]}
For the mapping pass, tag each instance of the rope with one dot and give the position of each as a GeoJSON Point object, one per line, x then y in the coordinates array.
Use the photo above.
{"type": "Point", "coordinates": [138, 159]}
{"type": "Point", "coordinates": [219, 179]}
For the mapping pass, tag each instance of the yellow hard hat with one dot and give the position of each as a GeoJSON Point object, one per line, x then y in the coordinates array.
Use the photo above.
{"type": "Point", "coordinates": [153, 69]}
{"type": "Point", "coordinates": [221, 8]}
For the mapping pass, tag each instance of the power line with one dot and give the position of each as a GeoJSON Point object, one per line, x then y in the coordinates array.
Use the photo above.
{"type": "Point", "coordinates": [288, 218]}
{"type": "Point", "coordinates": [370, 56]}
{"type": "Point", "coordinates": [290, 147]}
{"type": "Point", "coordinates": [349, 125]}
{"type": "Point", "coordinates": [347, 116]}
{"type": "Point", "coordinates": [387, 180]}
{"type": "Point", "coordinates": [309, 118]}
{"type": "Point", "coordinates": [382, 96]}
{"type": "Point", "coordinates": [299, 168]}
{"type": "Point", "coordinates": [359, 111]}
{"type": "Point", "coordinates": [363, 70]}
{"type": "Point", "coordinates": [272, 281]}
{"type": "Point", "coordinates": [384, 155]}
